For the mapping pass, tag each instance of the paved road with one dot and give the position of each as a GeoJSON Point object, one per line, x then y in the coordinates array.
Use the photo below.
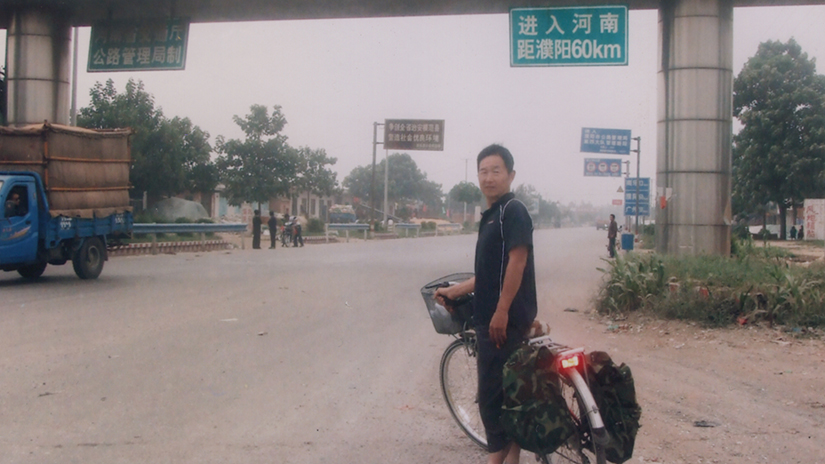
{"type": "Point", "coordinates": [320, 354]}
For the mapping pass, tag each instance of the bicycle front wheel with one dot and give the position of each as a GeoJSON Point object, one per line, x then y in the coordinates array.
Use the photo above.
{"type": "Point", "coordinates": [580, 448]}
{"type": "Point", "coordinates": [459, 384]}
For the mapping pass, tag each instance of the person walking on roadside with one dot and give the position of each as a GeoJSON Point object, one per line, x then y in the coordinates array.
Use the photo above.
{"type": "Point", "coordinates": [504, 286]}
{"type": "Point", "coordinates": [612, 232]}
{"type": "Point", "coordinates": [256, 230]}
{"type": "Point", "coordinates": [273, 229]}
{"type": "Point", "coordinates": [297, 236]}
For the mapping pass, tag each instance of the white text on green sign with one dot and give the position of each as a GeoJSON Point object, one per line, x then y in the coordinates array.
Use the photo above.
{"type": "Point", "coordinates": [146, 45]}
{"type": "Point", "coordinates": [569, 36]}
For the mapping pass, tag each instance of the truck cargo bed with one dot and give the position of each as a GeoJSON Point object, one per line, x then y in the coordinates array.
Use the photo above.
{"type": "Point", "coordinates": [85, 172]}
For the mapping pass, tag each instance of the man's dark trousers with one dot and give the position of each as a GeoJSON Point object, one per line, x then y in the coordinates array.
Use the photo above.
{"type": "Point", "coordinates": [491, 362]}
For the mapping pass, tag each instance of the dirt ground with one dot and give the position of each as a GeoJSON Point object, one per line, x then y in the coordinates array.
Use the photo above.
{"type": "Point", "coordinates": [737, 395]}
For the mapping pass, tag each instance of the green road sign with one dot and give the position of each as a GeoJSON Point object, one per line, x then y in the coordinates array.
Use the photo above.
{"type": "Point", "coordinates": [569, 36]}
{"type": "Point", "coordinates": [147, 45]}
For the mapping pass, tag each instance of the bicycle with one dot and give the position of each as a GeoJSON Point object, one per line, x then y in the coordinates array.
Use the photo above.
{"type": "Point", "coordinates": [458, 378]}
{"type": "Point", "coordinates": [286, 236]}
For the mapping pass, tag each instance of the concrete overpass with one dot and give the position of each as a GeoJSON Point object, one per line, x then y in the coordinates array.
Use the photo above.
{"type": "Point", "coordinates": [694, 91]}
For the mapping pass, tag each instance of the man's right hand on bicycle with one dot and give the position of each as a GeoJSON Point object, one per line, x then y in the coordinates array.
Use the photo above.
{"type": "Point", "coordinates": [454, 292]}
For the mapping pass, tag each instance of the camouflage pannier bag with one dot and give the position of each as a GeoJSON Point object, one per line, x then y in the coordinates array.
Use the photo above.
{"type": "Point", "coordinates": [615, 394]}
{"type": "Point", "coordinates": [534, 414]}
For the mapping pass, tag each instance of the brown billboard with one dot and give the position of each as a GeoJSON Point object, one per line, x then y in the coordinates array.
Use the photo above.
{"type": "Point", "coordinates": [414, 134]}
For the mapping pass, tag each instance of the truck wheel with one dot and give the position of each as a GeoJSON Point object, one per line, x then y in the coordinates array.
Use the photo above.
{"type": "Point", "coordinates": [88, 260]}
{"type": "Point", "coordinates": [32, 271]}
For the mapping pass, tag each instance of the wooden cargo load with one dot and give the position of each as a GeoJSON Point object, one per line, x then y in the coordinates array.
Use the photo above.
{"type": "Point", "coordinates": [85, 172]}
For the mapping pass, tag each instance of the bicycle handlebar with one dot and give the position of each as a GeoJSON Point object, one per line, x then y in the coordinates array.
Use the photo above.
{"type": "Point", "coordinates": [464, 299]}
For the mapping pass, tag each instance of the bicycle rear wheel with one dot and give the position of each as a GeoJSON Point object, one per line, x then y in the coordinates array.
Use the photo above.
{"type": "Point", "coordinates": [580, 448]}
{"type": "Point", "coordinates": [459, 384]}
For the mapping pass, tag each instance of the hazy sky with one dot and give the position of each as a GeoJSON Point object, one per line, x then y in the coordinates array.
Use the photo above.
{"type": "Point", "coordinates": [334, 78]}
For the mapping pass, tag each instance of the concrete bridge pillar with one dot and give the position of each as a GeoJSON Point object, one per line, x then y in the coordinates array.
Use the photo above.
{"type": "Point", "coordinates": [694, 127]}
{"type": "Point", "coordinates": [38, 59]}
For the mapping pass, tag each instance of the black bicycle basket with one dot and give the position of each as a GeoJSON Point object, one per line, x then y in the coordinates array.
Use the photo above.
{"type": "Point", "coordinates": [444, 321]}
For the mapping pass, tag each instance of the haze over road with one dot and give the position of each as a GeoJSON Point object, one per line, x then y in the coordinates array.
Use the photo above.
{"type": "Point", "coordinates": [319, 354]}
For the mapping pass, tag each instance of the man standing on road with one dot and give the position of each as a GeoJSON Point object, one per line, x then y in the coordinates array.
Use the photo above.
{"type": "Point", "coordinates": [612, 232]}
{"type": "Point", "coordinates": [273, 229]}
{"type": "Point", "coordinates": [256, 230]}
{"type": "Point", "coordinates": [297, 233]}
{"type": "Point", "coordinates": [504, 302]}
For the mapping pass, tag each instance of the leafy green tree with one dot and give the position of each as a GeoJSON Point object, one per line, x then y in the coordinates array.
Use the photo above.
{"type": "Point", "coordinates": [262, 166]}
{"type": "Point", "coordinates": [779, 155]}
{"type": "Point", "coordinates": [406, 182]}
{"type": "Point", "coordinates": [465, 192]}
{"type": "Point", "coordinates": [549, 212]}
{"type": "Point", "coordinates": [313, 175]}
{"type": "Point", "coordinates": [529, 196]}
{"type": "Point", "coordinates": [170, 155]}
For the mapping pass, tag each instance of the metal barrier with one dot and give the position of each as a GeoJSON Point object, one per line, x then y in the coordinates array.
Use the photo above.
{"type": "Point", "coordinates": [407, 226]}
{"type": "Point", "coordinates": [347, 228]}
{"type": "Point", "coordinates": [202, 229]}
{"type": "Point", "coordinates": [451, 227]}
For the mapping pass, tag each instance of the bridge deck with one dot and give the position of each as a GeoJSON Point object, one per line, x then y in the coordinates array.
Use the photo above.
{"type": "Point", "coordinates": [84, 12]}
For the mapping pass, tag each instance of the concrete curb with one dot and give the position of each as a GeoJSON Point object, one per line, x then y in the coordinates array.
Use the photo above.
{"type": "Point", "coordinates": [134, 249]}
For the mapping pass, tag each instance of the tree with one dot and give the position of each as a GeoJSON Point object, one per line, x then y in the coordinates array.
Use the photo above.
{"type": "Point", "coordinates": [170, 155]}
{"type": "Point", "coordinates": [406, 182]}
{"type": "Point", "coordinates": [529, 196]}
{"type": "Point", "coordinates": [779, 155]}
{"type": "Point", "coordinates": [262, 166]}
{"type": "Point", "coordinates": [313, 174]}
{"type": "Point", "coordinates": [465, 192]}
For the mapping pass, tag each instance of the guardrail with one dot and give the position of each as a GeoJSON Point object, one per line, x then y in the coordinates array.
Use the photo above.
{"type": "Point", "coordinates": [202, 229]}
{"type": "Point", "coordinates": [453, 227]}
{"type": "Point", "coordinates": [347, 228]}
{"type": "Point", "coordinates": [407, 227]}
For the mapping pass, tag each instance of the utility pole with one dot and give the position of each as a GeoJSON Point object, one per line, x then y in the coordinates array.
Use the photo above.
{"type": "Point", "coordinates": [386, 183]}
{"type": "Point", "coordinates": [464, 217]}
{"type": "Point", "coordinates": [375, 143]}
{"type": "Point", "coordinates": [638, 151]}
{"type": "Point", "coordinates": [73, 109]}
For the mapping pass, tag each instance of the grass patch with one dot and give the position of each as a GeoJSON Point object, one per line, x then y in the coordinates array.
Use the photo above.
{"type": "Point", "coordinates": [756, 284]}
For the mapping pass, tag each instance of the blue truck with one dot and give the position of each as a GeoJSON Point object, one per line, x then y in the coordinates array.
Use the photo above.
{"type": "Point", "coordinates": [64, 193]}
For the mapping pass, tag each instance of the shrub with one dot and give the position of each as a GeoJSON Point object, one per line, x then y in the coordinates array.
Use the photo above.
{"type": "Point", "coordinates": [428, 225]}
{"type": "Point", "coordinates": [755, 285]}
{"type": "Point", "coordinates": [315, 225]}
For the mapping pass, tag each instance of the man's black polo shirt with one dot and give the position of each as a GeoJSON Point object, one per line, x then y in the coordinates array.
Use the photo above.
{"type": "Point", "coordinates": [504, 226]}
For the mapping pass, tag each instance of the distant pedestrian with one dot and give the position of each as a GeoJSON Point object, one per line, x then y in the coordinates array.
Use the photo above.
{"type": "Point", "coordinates": [273, 229]}
{"type": "Point", "coordinates": [801, 234]}
{"type": "Point", "coordinates": [297, 237]}
{"type": "Point", "coordinates": [612, 232]}
{"type": "Point", "coordinates": [793, 232]}
{"type": "Point", "coordinates": [256, 230]}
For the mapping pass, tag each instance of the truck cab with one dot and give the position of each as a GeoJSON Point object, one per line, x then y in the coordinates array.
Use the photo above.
{"type": "Point", "coordinates": [19, 226]}
{"type": "Point", "coordinates": [31, 239]}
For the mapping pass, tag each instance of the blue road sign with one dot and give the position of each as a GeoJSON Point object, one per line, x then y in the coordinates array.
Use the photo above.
{"type": "Point", "coordinates": [644, 184]}
{"type": "Point", "coordinates": [630, 209]}
{"type": "Point", "coordinates": [602, 167]}
{"type": "Point", "coordinates": [569, 36]}
{"type": "Point", "coordinates": [631, 192]}
{"type": "Point", "coordinates": [607, 141]}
